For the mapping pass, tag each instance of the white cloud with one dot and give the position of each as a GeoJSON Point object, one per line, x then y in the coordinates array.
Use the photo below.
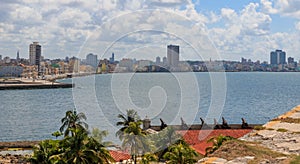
{"type": "Point", "coordinates": [26, 14]}
{"type": "Point", "coordinates": [228, 14]}
{"type": "Point", "coordinates": [213, 17]}
{"type": "Point", "coordinates": [267, 7]}
{"type": "Point", "coordinates": [289, 8]}
{"type": "Point", "coordinates": [74, 18]}
{"type": "Point", "coordinates": [62, 27]}
{"type": "Point", "coordinates": [6, 28]}
{"type": "Point", "coordinates": [254, 22]}
{"type": "Point", "coordinates": [166, 3]}
{"type": "Point", "coordinates": [297, 26]}
{"type": "Point", "coordinates": [241, 32]}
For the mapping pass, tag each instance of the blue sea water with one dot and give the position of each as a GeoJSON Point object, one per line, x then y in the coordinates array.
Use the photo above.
{"type": "Point", "coordinates": [256, 96]}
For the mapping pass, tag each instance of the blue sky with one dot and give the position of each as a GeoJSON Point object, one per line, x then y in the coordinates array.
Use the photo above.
{"type": "Point", "coordinates": [279, 22]}
{"type": "Point", "coordinates": [217, 29]}
{"type": "Point", "coordinates": [216, 5]}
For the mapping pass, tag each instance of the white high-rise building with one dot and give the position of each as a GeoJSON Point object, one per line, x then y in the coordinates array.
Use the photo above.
{"type": "Point", "coordinates": [173, 55]}
{"type": "Point", "coordinates": [35, 52]}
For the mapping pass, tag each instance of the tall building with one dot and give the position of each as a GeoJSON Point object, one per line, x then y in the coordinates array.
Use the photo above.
{"type": "Point", "coordinates": [282, 58]}
{"type": "Point", "coordinates": [244, 60]}
{"type": "Point", "coordinates": [74, 65]}
{"type": "Point", "coordinates": [277, 57]}
{"type": "Point", "coordinates": [35, 52]}
{"type": "Point", "coordinates": [18, 56]}
{"type": "Point", "coordinates": [92, 60]}
{"type": "Point", "coordinates": [112, 59]}
{"type": "Point", "coordinates": [165, 62]}
{"type": "Point", "coordinates": [291, 60]}
{"type": "Point", "coordinates": [157, 61]}
{"type": "Point", "coordinates": [273, 58]}
{"type": "Point", "coordinates": [173, 55]}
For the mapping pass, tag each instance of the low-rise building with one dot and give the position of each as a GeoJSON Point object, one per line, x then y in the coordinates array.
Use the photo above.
{"type": "Point", "coordinates": [11, 71]}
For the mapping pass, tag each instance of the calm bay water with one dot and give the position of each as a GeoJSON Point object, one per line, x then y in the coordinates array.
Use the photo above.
{"type": "Point", "coordinates": [258, 97]}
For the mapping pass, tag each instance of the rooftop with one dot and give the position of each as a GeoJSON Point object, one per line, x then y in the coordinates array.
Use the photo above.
{"type": "Point", "coordinates": [198, 138]}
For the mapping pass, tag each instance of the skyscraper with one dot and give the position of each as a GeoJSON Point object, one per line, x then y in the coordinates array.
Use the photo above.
{"type": "Point", "coordinates": [277, 57]}
{"type": "Point", "coordinates": [18, 56]}
{"type": "Point", "coordinates": [282, 58]}
{"type": "Point", "coordinates": [35, 52]}
{"type": "Point", "coordinates": [112, 58]}
{"type": "Point", "coordinates": [273, 58]}
{"type": "Point", "coordinates": [173, 55]}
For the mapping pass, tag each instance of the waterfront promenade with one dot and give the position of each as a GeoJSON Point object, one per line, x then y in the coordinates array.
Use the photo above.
{"type": "Point", "coordinates": [23, 83]}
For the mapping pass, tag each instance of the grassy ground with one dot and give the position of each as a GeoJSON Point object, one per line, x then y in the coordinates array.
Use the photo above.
{"type": "Point", "coordinates": [236, 148]}
{"type": "Point", "coordinates": [295, 160]}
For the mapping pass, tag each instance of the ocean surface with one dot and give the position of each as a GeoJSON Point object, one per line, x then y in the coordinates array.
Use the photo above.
{"type": "Point", "coordinates": [255, 96]}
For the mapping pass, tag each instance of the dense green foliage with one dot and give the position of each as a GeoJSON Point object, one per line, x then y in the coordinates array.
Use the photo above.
{"type": "Point", "coordinates": [180, 153]}
{"type": "Point", "coordinates": [163, 146]}
{"type": "Point", "coordinates": [78, 147]}
{"type": "Point", "coordinates": [44, 152]}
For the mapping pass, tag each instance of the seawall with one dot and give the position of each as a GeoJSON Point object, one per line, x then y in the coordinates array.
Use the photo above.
{"type": "Point", "coordinates": [35, 86]}
{"type": "Point", "coordinates": [30, 84]}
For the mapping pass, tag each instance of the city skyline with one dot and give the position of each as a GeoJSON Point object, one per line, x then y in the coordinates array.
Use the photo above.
{"type": "Point", "coordinates": [236, 28]}
{"type": "Point", "coordinates": [171, 57]}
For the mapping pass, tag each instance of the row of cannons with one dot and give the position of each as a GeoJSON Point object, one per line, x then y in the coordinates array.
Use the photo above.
{"type": "Point", "coordinates": [202, 126]}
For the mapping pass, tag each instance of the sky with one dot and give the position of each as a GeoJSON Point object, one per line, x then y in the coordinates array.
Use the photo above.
{"type": "Point", "coordinates": [142, 29]}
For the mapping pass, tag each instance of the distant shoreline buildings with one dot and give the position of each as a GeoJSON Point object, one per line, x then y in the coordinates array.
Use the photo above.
{"type": "Point", "coordinates": [36, 66]}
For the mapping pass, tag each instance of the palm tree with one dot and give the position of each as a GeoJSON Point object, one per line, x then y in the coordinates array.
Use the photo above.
{"type": "Point", "coordinates": [98, 135]}
{"type": "Point", "coordinates": [169, 137]}
{"type": "Point", "coordinates": [132, 135]}
{"type": "Point", "coordinates": [73, 120]}
{"type": "Point", "coordinates": [102, 153]}
{"type": "Point", "coordinates": [56, 134]}
{"type": "Point", "coordinates": [43, 152]}
{"type": "Point", "coordinates": [164, 139]}
{"type": "Point", "coordinates": [131, 116]}
{"type": "Point", "coordinates": [134, 138]}
{"type": "Point", "coordinates": [83, 149]}
{"type": "Point", "coordinates": [217, 143]}
{"type": "Point", "coordinates": [180, 153]}
{"type": "Point", "coordinates": [75, 148]}
{"type": "Point", "coordinates": [148, 157]}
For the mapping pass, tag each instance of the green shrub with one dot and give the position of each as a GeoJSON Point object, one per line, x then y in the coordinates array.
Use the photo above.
{"type": "Point", "coordinates": [281, 130]}
{"type": "Point", "coordinates": [259, 127]}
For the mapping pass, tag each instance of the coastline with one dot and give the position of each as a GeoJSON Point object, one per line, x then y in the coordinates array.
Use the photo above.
{"type": "Point", "coordinates": [13, 84]}
{"type": "Point", "coordinates": [17, 145]}
{"type": "Point", "coordinates": [271, 136]}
